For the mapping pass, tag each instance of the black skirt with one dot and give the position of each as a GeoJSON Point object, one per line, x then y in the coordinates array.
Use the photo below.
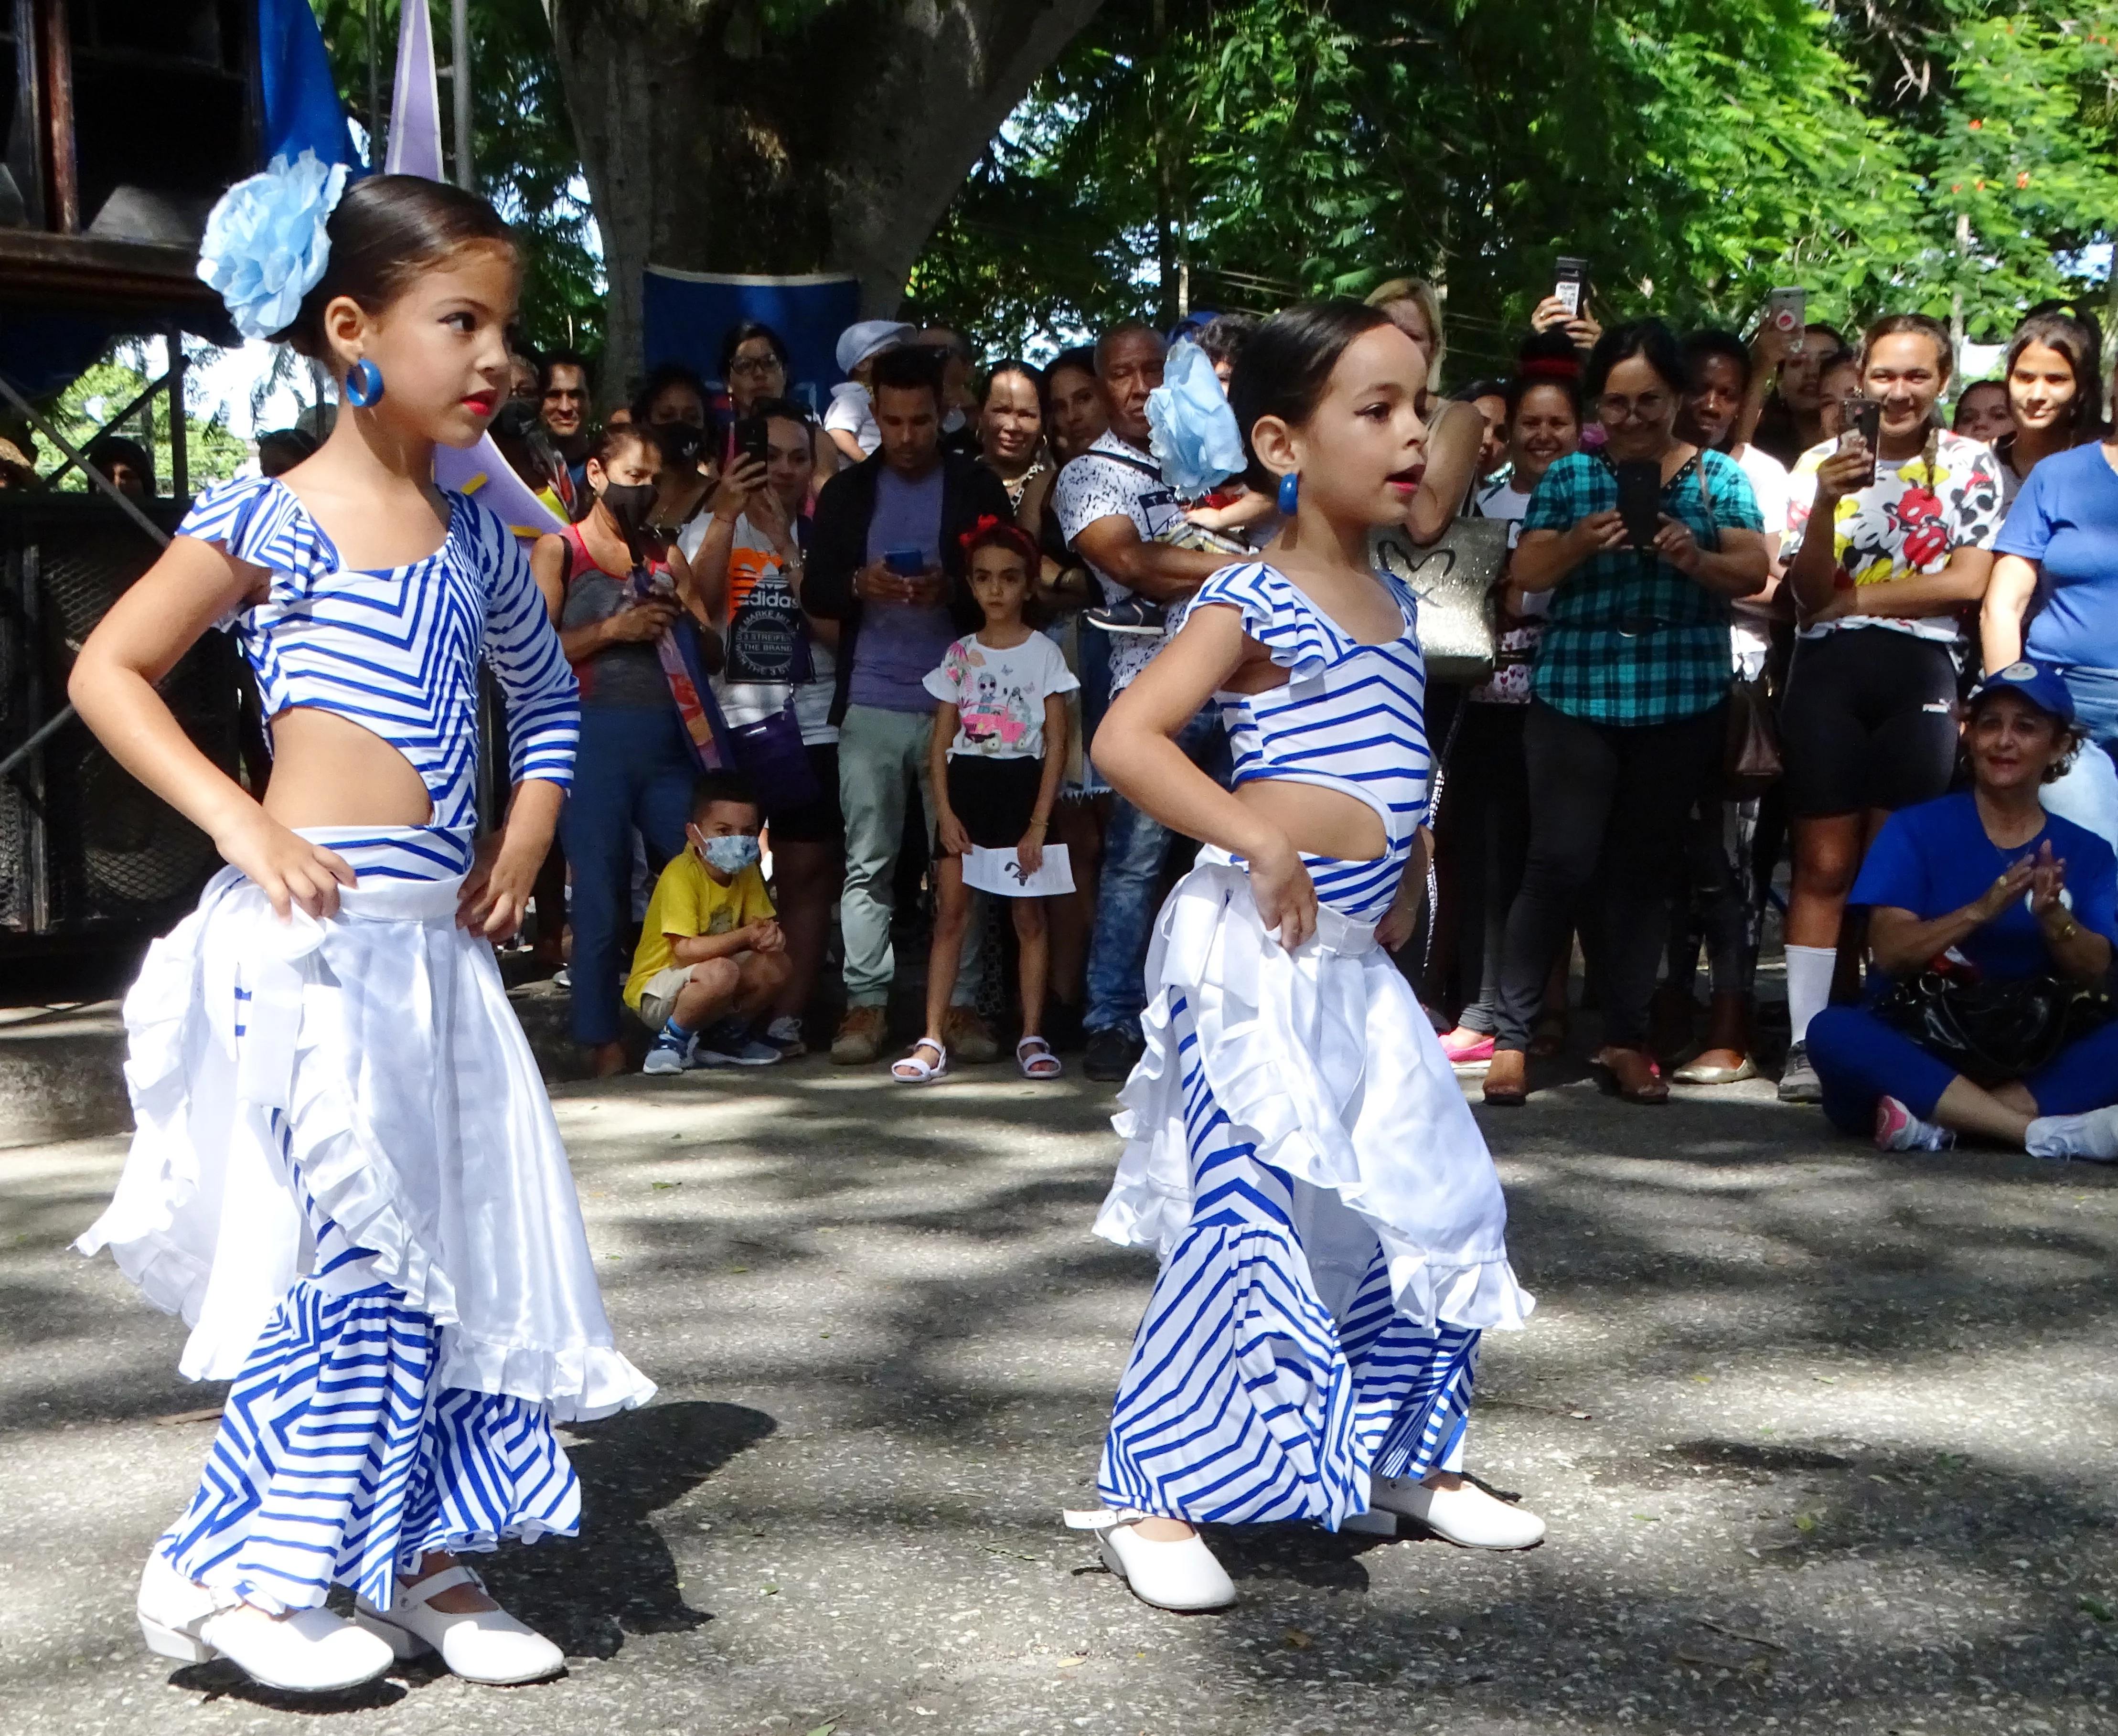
{"type": "Point", "coordinates": [993, 800]}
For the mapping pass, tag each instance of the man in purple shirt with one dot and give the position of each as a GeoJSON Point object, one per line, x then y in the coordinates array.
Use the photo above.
{"type": "Point", "coordinates": [911, 501]}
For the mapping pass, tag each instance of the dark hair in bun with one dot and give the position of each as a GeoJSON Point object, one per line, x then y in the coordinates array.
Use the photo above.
{"type": "Point", "coordinates": [1286, 366]}
{"type": "Point", "coordinates": [387, 230]}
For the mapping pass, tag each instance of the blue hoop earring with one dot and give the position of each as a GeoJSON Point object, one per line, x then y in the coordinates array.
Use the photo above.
{"type": "Point", "coordinates": [1290, 493]}
{"type": "Point", "coordinates": [364, 384]}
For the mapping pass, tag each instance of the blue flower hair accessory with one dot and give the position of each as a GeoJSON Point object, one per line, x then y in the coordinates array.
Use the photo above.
{"type": "Point", "coordinates": [1192, 431]}
{"type": "Point", "coordinates": [264, 245]}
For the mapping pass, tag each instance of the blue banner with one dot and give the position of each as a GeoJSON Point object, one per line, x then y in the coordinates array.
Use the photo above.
{"type": "Point", "coordinates": [686, 314]}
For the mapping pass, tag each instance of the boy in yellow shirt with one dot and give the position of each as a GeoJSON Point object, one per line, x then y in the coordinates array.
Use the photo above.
{"type": "Point", "coordinates": [711, 955]}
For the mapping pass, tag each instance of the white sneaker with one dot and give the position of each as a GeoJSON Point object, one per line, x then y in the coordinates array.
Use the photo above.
{"type": "Point", "coordinates": [1182, 1576]}
{"type": "Point", "coordinates": [1466, 1516]}
{"type": "Point", "coordinates": [2093, 1136]}
{"type": "Point", "coordinates": [1898, 1130]}
{"type": "Point", "coordinates": [311, 1651]}
{"type": "Point", "coordinates": [487, 1645]}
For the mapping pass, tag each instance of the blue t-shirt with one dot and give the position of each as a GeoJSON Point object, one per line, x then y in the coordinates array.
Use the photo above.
{"type": "Point", "coordinates": [898, 645]}
{"type": "Point", "coordinates": [1935, 858]}
{"type": "Point", "coordinates": [2066, 517]}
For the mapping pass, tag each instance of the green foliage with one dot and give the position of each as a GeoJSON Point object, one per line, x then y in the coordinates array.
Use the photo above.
{"type": "Point", "coordinates": [211, 453]}
{"type": "Point", "coordinates": [522, 147]}
{"type": "Point", "coordinates": [1696, 152]}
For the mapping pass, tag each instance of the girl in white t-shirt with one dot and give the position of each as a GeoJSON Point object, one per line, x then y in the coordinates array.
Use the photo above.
{"type": "Point", "coordinates": [999, 750]}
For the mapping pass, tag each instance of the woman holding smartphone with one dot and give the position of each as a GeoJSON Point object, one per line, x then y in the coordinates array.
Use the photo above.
{"type": "Point", "coordinates": [1868, 724]}
{"type": "Point", "coordinates": [1628, 713]}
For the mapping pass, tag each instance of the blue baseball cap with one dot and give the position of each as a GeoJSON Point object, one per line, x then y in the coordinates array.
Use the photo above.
{"type": "Point", "coordinates": [2038, 683]}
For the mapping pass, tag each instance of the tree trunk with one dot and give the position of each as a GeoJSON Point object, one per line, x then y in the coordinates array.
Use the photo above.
{"type": "Point", "coordinates": [712, 144]}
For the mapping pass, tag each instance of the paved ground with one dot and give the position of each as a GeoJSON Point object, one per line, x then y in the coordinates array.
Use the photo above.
{"type": "Point", "coordinates": [1826, 1442]}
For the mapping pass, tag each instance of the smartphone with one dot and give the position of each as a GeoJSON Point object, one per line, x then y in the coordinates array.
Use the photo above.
{"type": "Point", "coordinates": [1861, 416]}
{"type": "Point", "coordinates": [907, 563]}
{"type": "Point", "coordinates": [1639, 499]}
{"type": "Point", "coordinates": [1571, 283]}
{"type": "Point", "coordinates": [1786, 311]}
{"type": "Point", "coordinates": [751, 441]}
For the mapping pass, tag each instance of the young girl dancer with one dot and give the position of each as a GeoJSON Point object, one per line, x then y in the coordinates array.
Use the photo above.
{"type": "Point", "coordinates": [346, 1175]}
{"type": "Point", "coordinates": [1298, 1149]}
{"type": "Point", "coordinates": [999, 750]}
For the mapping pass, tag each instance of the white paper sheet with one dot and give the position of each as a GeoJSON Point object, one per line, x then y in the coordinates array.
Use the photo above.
{"type": "Point", "coordinates": [999, 871]}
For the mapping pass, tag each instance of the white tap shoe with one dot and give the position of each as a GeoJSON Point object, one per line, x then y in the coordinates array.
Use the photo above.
{"type": "Point", "coordinates": [1182, 1576]}
{"type": "Point", "coordinates": [310, 1652]}
{"type": "Point", "coordinates": [1466, 1516]}
{"type": "Point", "coordinates": [487, 1646]}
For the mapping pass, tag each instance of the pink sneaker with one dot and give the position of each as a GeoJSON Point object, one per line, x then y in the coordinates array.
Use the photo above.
{"type": "Point", "coordinates": [1898, 1130]}
{"type": "Point", "coordinates": [1462, 1047]}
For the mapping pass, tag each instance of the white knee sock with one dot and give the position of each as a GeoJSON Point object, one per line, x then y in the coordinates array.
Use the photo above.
{"type": "Point", "coordinates": [1809, 970]}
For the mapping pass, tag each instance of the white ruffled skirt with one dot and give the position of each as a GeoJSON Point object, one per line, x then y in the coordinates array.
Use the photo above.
{"type": "Point", "coordinates": [377, 1055]}
{"type": "Point", "coordinates": [1331, 1227]}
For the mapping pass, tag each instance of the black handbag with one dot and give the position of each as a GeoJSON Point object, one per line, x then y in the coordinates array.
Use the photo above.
{"type": "Point", "coordinates": [1454, 578]}
{"type": "Point", "coordinates": [1992, 1032]}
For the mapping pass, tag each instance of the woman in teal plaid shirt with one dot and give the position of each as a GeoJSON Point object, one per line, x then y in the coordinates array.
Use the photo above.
{"type": "Point", "coordinates": [1629, 706]}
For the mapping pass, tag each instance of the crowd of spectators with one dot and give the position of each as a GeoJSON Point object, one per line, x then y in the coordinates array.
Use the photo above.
{"type": "Point", "coordinates": [1795, 697]}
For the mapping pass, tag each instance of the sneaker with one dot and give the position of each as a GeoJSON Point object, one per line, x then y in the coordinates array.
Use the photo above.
{"type": "Point", "coordinates": [731, 1043]}
{"type": "Point", "coordinates": [1111, 1055]}
{"type": "Point", "coordinates": [860, 1035]}
{"type": "Point", "coordinates": [1128, 615]}
{"type": "Point", "coordinates": [784, 1034]}
{"type": "Point", "coordinates": [668, 1056]}
{"type": "Point", "coordinates": [2093, 1136]}
{"type": "Point", "coordinates": [563, 978]}
{"type": "Point", "coordinates": [1798, 1080]}
{"type": "Point", "coordinates": [1898, 1130]}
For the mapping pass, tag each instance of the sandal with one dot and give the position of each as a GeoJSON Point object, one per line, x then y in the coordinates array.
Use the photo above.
{"type": "Point", "coordinates": [1033, 1055]}
{"type": "Point", "coordinates": [911, 1070]}
{"type": "Point", "coordinates": [1613, 1066]}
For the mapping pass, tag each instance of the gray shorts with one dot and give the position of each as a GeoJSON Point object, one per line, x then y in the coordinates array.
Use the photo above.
{"type": "Point", "coordinates": [658, 1000]}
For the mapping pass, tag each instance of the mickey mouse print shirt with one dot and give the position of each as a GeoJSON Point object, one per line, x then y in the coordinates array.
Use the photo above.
{"type": "Point", "coordinates": [999, 694]}
{"type": "Point", "coordinates": [1917, 513]}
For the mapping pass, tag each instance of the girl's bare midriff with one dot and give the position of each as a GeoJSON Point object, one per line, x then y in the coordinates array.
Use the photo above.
{"type": "Point", "coordinates": [1317, 821]}
{"type": "Point", "coordinates": [329, 771]}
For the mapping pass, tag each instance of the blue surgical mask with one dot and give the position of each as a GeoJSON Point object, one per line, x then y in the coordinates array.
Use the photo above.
{"type": "Point", "coordinates": [731, 854]}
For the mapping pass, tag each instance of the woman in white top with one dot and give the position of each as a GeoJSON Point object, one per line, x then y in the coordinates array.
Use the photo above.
{"type": "Point", "coordinates": [1889, 549]}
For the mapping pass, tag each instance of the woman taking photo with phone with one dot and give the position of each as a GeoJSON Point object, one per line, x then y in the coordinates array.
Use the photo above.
{"type": "Point", "coordinates": [1868, 722]}
{"type": "Point", "coordinates": [1628, 715]}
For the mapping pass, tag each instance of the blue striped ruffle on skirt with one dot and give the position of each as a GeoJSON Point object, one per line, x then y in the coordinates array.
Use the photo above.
{"type": "Point", "coordinates": [340, 1460]}
{"type": "Point", "coordinates": [1246, 1398]}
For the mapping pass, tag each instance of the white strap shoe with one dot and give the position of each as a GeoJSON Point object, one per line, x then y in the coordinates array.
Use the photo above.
{"type": "Point", "coordinates": [487, 1646]}
{"type": "Point", "coordinates": [1466, 1515]}
{"type": "Point", "coordinates": [310, 1652]}
{"type": "Point", "coordinates": [1182, 1576]}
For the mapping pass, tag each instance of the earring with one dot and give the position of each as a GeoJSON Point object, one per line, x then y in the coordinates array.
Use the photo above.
{"type": "Point", "coordinates": [1290, 493]}
{"type": "Point", "coordinates": [364, 384]}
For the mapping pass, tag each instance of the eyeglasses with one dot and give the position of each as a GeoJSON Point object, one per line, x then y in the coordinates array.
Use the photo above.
{"type": "Point", "coordinates": [750, 368]}
{"type": "Point", "coordinates": [1647, 407]}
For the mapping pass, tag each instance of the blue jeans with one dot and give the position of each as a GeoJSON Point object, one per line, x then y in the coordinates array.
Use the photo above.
{"type": "Point", "coordinates": [1134, 847]}
{"type": "Point", "coordinates": [2088, 795]}
{"type": "Point", "coordinates": [634, 771]}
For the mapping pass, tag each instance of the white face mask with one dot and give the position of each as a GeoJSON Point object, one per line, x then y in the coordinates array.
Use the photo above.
{"type": "Point", "coordinates": [730, 854]}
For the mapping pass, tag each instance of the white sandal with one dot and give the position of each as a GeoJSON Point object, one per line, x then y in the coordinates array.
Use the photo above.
{"type": "Point", "coordinates": [911, 1070]}
{"type": "Point", "coordinates": [1033, 1055]}
{"type": "Point", "coordinates": [486, 1645]}
{"type": "Point", "coordinates": [1181, 1575]}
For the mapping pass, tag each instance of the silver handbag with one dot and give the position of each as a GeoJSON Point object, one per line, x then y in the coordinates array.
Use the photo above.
{"type": "Point", "coordinates": [1454, 577]}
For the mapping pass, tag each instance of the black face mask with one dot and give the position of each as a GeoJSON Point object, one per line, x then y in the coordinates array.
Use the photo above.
{"type": "Point", "coordinates": [629, 503]}
{"type": "Point", "coordinates": [680, 443]}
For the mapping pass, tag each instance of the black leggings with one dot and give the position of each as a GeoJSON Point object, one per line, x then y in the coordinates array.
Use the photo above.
{"type": "Point", "coordinates": [1616, 797]}
{"type": "Point", "coordinates": [1484, 824]}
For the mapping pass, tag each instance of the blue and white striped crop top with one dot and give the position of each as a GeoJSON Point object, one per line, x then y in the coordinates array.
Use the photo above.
{"type": "Point", "coordinates": [1352, 717]}
{"type": "Point", "coordinates": [397, 651]}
